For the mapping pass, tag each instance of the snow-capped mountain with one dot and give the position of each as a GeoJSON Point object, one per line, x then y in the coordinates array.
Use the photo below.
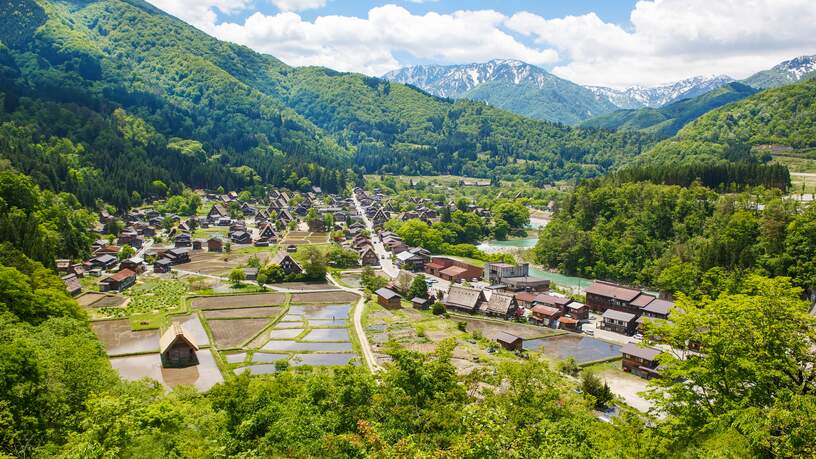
{"type": "Point", "coordinates": [800, 68]}
{"type": "Point", "coordinates": [508, 84]}
{"type": "Point", "coordinates": [455, 80]}
{"type": "Point", "coordinates": [658, 96]}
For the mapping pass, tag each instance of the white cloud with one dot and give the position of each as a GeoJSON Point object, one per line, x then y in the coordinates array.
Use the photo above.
{"type": "Point", "coordinates": [201, 13]}
{"type": "Point", "coordinates": [667, 40]}
{"type": "Point", "coordinates": [298, 5]}
{"type": "Point", "coordinates": [369, 45]}
{"type": "Point", "coordinates": [674, 39]}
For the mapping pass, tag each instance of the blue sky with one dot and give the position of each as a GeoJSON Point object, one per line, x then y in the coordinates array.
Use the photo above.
{"type": "Point", "coordinates": [616, 43]}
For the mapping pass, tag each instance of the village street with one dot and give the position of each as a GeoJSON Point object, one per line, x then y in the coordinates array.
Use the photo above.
{"type": "Point", "coordinates": [385, 258]}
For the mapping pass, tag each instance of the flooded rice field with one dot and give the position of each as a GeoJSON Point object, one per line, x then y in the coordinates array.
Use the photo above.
{"type": "Point", "coordinates": [582, 348]}
{"type": "Point", "coordinates": [264, 311]}
{"type": "Point", "coordinates": [232, 332]}
{"type": "Point", "coordinates": [118, 339]}
{"type": "Point", "coordinates": [235, 358]}
{"type": "Point", "coordinates": [324, 359]}
{"type": "Point", "coordinates": [327, 322]}
{"type": "Point", "coordinates": [203, 376]}
{"type": "Point", "coordinates": [286, 333]}
{"type": "Point", "coordinates": [263, 357]}
{"type": "Point", "coordinates": [327, 334]}
{"type": "Point", "coordinates": [286, 346]}
{"type": "Point", "coordinates": [327, 312]}
{"type": "Point", "coordinates": [336, 296]}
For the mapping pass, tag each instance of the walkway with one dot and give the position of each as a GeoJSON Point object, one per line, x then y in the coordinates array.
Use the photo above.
{"type": "Point", "coordinates": [365, 346]}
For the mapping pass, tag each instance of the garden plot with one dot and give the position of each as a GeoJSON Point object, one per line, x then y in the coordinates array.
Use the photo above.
{"type": "Point", "coordinates": [203, 376]}
{"type": "Point", "coordinates": [336, 296]}
{"type": "Point", "coordinates": [118, 338]}
{"type": "Point", "coordinates": [230, 333]}
{"type": "Point", "coordinates": [245, 313]}
{"type": "Point", "coordinates": [238, 301]}
{"type": "Point", "coordinates": [489, 328]}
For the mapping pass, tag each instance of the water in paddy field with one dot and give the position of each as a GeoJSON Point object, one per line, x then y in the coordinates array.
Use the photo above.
{"type": "Point", "coordinates": [582, 348]}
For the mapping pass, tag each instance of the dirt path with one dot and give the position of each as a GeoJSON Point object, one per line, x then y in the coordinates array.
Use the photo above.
{"type": "Point", "coordinates": [368, 354]}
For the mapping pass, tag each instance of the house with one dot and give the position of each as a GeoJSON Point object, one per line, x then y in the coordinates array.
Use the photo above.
{"type": "Point", "coordinates": [576, 310]}
{"type": "Point", "coordinates": [554, 301]}
{"type": "Point", "coordinates": [105, 261]}
{"type": "Point", "coordinates": [619, 322]}
{"type": "Point", "coordinates": [241, 237]}
{"type": "Point", "coordinates": [525, 299]}
{"type": "Point", "coordinates": [658, 309]}
{"type": "Point", "coordinates": [118, 282]}
{"type": "Point", "coordinates": [640, 361]}
{"type": "Point", "coordinates": [250, 274]}
{"type": "Point", "coordinates": [215, 244]}
{"type": "Point", "coordinates": [177, 256]}
{"type": "Point", "coordinates": [135, 264]}
{"type": "Point", "coordinates": [526, 284]}
{"type": "Point", "coordinates": [601, 296]}
{"type": "Point", "coordinates": [500, 305]}
{"type": "Point", "coordinates": [567, 323]}
{"type": "Point", "coordinates": [368, 257]}
{"type": "Point", "coordinates": [388, 298]}
{"type": "Point", "coordinates": [267, 233]}
{"type": "Point", "coordinates": [162, 265]}
{"type": "Point", "coordinates": [420, 303]}
{"type": "Point", "coordinates": [72, 285]}
{"type": "Point", "coordinates": [411, 261]}
{"type": "Point", "coordinates": [508, 341]}
{"type": "Point", "coordinates": [464, 299]}
{"type": "Point", "coordinates": [183, 240]}
{"type": "Point", "coordinates": [217, 213]}
{"type": "Point", "coordinates": [495, 272]}
{"type": "Point", "coordinates": [63, 266]}
{"type": "Point", "coordinates": [285, 261]}
{"type": "Point", "coordinates": [178, 350]}
{"type": "Point", "coordinates": [452, 270]}
{"type": "Point", "coordinates": [545, 314]}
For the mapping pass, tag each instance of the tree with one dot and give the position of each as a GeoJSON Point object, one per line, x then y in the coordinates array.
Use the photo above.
{"type": "Point", "coordinates": [755, 357]}
{"type": "Point", "coordinates": [314, 265]}
{"type": "Point", "coordinates": [371, 281]}
{"type": "Point", "coordinates": [601, 393]}
{"type": "Point", "coordinates": [126, 252]}
{"type": "Point", "coordinates": [261, 279]}
{"type": "Point", "coordinates": [236, 276]}
{"type": "Point", "coordinates": [438, 308]}
{"type": "Point", "coordinates": [419, 287]}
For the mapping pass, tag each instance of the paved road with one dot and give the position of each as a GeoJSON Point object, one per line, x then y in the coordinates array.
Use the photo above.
{"type": "Point", "coordinates": [385, 258]}
{"type": "Point", "coordinates": [357, 318]}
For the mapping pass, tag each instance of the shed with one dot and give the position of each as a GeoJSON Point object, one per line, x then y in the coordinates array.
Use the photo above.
{"type": "Point", "coordinates": [177, 348]}
{"type": "Point", "coordinates": [508, 341]}
{"type": "Point", "coordinates": [388, 298]}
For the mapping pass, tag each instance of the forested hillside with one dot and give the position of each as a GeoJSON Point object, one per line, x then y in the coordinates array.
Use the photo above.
{"type": "Point", "coordinates": [690, 240]}
{"type": "Point", "coordinates": [146, 97]}
{"type": "Point", "coordinates": [666, 121]}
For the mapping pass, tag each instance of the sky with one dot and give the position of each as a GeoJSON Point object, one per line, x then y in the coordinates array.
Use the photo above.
{"type": "Point", "coordinates": [616, 43]}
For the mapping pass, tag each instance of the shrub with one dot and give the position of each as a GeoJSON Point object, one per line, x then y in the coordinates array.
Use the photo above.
{"type": "Point", "coordinates": [438, 309]}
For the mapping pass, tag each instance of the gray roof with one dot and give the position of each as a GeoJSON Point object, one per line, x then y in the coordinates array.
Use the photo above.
{"type": "Point", "coordinates": [504, 337]}
{"type": "Point", "coordinates": [387, 293]}
{"type": "Point", "coordinates": [646, 353]}
{"type": "Point", "coordinates": [618, 315]}
{"type": "Point", "coordinates": [464, 297]}
{"type": "Point", "coordinates": [612, 291]}
{"type": "Point", "coordinates": [661, 307]}
{"type": "Point", "coordinates": [498, 304]}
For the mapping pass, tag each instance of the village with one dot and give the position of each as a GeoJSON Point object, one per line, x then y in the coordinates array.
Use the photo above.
{"type": "Point", "coordinates": [194, 299]}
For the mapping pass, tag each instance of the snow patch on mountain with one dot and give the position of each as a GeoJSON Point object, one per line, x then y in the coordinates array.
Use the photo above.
{"type": "Point", "coordinates": [658, 96]}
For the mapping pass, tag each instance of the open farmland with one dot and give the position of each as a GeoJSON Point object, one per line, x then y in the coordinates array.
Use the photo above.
{"type": "Point", "coordinates": [238, 301]}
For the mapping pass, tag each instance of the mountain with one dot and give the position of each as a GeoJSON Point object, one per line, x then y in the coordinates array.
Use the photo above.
{"type": "Point", "coordinates": [658, 96]}
{"type": "Point", "coordinates": [666, 121]}
{"type": "Point", "coordinates": [800, 68]}
{"type": "Point", "coordinates": [510, 85]}
{"type": "Point", "coordinates": [783, 116]}
{"type": "Point", "coordinates": [116, 100]}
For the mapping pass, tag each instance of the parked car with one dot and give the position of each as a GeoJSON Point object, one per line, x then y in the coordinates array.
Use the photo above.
{"type": "Point", "coordinates": [589, 332]}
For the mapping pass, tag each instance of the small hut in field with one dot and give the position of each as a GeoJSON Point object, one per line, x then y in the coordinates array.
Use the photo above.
{"type": "Point", "coordinates": [177, 347]}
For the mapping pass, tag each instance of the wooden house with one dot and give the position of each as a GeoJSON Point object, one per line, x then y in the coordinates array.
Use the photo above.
{"type": "Point", "coordinates": [177, 348]}
{"type": "Point", "coordinates": [619, 322]}
{"type": "Point", "coordinates": [72, 285]}
{"type": "Point", "coordinates": [285, 261]}
{"type": "Point", "coordinates": [601, 296]}
{"type": "Point", "coordinates": [388, 298]}
{"type": "Point", "coordinates": [162, 265]}
{"type": "Point", "coordinates": [640, 361]}
{"type": "Point", "coordinates": [464, 299]}
{"type": "Point", "coordinates": [509, 342]}
{"type": "Point", "coordinates": [215, 244]}
{"type": "Point", "coordinates": [500, 305]}
{"type": "Point", "coordinates": [118, 282]}
{"type": "Point", "coordinates": [368, 257]}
